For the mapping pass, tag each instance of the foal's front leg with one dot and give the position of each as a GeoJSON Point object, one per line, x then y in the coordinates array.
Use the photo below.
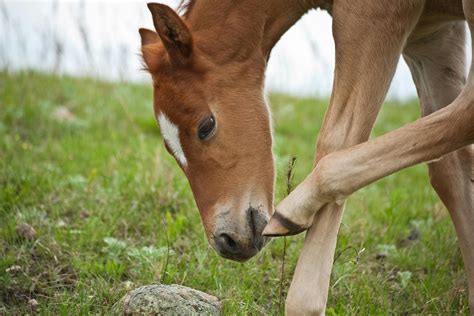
{"type": "Point", "coordinates": [369, 41]}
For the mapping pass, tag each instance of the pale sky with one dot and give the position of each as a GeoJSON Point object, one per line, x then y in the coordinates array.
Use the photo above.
{"type": "Point", "coordinates": [100, 39]}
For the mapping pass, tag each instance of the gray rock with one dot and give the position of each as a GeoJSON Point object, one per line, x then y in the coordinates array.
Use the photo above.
{"type": "Point", "coordinates": [159, 299]}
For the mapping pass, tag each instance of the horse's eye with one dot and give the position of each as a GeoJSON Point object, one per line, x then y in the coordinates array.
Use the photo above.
{"type": "Point", "coordinates": [206, 127]}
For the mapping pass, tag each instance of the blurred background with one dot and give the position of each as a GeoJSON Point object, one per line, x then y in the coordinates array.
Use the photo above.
{"type": "Point", "coordinates": [100, 39]}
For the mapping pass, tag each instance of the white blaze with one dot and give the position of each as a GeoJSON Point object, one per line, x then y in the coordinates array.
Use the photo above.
{"type": "Point", "coordinates": [170, 133]}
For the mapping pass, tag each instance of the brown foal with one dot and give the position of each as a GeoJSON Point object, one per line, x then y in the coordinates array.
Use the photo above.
{"type": "Point", "coordinates": [208, 76]}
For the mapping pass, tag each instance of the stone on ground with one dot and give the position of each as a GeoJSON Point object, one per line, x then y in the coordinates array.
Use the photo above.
{"type": "Point", "coordinates": [159, 299]}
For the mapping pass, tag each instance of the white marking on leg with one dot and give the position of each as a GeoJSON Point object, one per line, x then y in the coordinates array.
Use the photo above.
{"type": "Point", "coordinates": [170, 133]}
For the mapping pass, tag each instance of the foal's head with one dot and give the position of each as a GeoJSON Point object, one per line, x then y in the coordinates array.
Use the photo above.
{"type": "Point", "coordinates": [214, 121]}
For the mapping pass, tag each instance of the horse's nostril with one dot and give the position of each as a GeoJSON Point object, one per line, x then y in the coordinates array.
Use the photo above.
{"type": "Point", "coordinates": [237, 247]}
{"type": "Point", "coordinates": [229, 243]}
{"type": "Point", "coordinates": [241, 242]}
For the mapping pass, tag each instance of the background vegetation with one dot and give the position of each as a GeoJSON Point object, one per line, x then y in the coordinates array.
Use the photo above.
{"type": "Point", "coordinates": [82, 162]}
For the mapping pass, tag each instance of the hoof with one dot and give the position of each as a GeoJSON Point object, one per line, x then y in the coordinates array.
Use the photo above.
{"type": "Point", "coordinates": [282, 226]}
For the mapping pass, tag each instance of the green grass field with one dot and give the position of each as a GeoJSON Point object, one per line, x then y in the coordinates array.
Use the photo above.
{"type": "Point", "coordinates": [83, 163]}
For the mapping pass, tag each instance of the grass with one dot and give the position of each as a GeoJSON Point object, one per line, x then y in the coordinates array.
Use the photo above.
{"type": "Point", "coordinates": [83, 163]}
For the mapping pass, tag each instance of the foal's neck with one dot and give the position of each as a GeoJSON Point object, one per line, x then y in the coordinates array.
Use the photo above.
{"type": "Point", "coordinates": [233, 30]}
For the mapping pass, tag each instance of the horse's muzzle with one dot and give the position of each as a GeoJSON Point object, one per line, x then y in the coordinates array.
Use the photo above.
{"type": "Point", "coordinates": [242, 244]}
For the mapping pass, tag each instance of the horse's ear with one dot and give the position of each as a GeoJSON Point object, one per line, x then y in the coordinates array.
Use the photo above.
{"type": "Point", "coordinates": [149, 49]}
{"type": "Point", "coordinates": [148, 36]}
{"type": "Point", "coordinates": [173, 33]}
